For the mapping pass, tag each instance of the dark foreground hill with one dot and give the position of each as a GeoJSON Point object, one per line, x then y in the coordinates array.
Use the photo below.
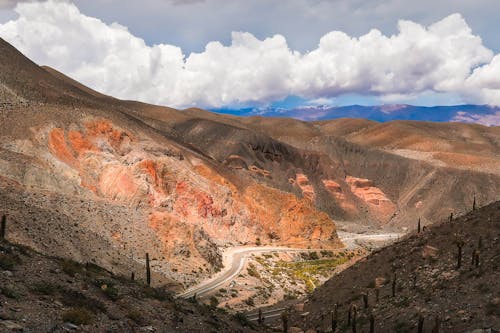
{"type": "Point", "coordinates": [47, 294]}
{"type": "Point", "coordinates": [422, 270]}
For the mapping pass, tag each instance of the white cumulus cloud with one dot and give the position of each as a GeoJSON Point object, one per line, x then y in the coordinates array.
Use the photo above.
{"type": "Point", "coordinates": [445, 57]}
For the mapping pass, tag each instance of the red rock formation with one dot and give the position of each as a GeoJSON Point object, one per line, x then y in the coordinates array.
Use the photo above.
{"type": "Point", "coordinates": [379, 204]}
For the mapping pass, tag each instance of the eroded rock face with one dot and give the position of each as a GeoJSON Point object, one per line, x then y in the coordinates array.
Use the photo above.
{"type": "Point", "coordinates": [307, 189]}
{"type": "Point", "coordinates": [190, 208]}
{"type": "Point", "coordinates": [379, 204]}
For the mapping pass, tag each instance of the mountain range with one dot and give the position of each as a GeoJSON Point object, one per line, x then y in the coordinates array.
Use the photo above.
{"type": "Point", "coordinates": [480, 114]}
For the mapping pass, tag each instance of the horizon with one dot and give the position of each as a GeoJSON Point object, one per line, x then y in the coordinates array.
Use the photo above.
{"type": "Point", "coordinates": [432, 60]}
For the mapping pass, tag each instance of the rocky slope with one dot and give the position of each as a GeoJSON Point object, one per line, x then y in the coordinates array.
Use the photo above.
{"type": "Point", "coordinates": [104, 180]}
{"type": "Point", "coordinates": [419, 277]}
{"type": "Point", "coordinates": [42, 294]}
{"type": "Point", "coordinates": [83, 176]}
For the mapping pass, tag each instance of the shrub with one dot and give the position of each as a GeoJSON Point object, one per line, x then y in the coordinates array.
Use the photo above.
{"type": "Point", "coordinates": [78, 300]}
{"type": "Point", "coordinates": [10, 292]}
{"type": "Point", "coordinates": [136, 316]}
{"type": "Point", "coordinates": [78, 316]}
{"type": "Point", "coordinates": [249, 301]}
{"type": "Point", "coordinates": [313, 256]}
{"type": "Point", "coordinates": [44, 288]}
{"type": "Point", "coordinates": [7, 262]}
{"type": "Point", "coordinates": [71, 267]}
{"type": "Point", "coordinates": [214, 302]}
{"type": "Point", "coordinates": [252, 271]}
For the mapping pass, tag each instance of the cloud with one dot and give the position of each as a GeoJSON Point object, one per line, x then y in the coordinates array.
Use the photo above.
{"type": "Point", "coordinates": [8, 4]}
{"type": "Point", "coordinates": [444, 57]}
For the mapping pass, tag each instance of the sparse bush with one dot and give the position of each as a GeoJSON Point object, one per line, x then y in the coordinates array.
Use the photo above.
{"type": "Point", "coordinates": [7, 262]}
{"type": "Point", "coordinates": [214, 302]}
{"type": "Point", "coordinates": [78, 316]}
{"type": "Point", "coordinates": [10, 292]}
{"type": "Point", "coordinates": [258, 242]}
{"type": "Point", "coordinates": [136, 316]}
{"type": "Point", "coordinates": [313, 256]}
{"type": "Point", "coordinates": [160, 294]}
{"type": "Point", "coordinates": [71, 267]}
{"type": "Point", "coordinates": [252, 271]}
{"type": "Point", "coordinates": [44, 288]}
{"type": "Point", "coordinates": [250, 301]}
{"type": "Point", "coordinates": [78, 300]}
{"type": "Point", "coordinates": [242, 319]}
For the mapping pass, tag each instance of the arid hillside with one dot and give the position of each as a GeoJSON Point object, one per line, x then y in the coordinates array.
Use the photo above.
{"type": "Point", "coordinates": [46, 294]}
{"type": "Point", "coordinates": [418, 277]}
{"type": "Point", "coordinates": [98, 179]}
{"type": "Point", "coordinates": [83, 176]}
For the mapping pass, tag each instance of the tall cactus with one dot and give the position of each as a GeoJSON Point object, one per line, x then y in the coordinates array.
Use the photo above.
{"type": "Point", "coordinates": [474, 203]}
{"type": "Point", "coordinates": [354, 317]}
{"type": "Point", "coordinates": [451, 217]}
{"type": "Point", "coordinates": [437, 324]}
{"type": "Point", "coordinates": [459, 242]}
{"type": "Point", "coordinates": [261, 318]}
{"type": "Point", "coordinates": [372, 323]}
{"type": "Point", "coordinates": [418, 225]}
{"type": "Point", "coordinates": [394, 285]}
{"type": "Point", "coordinates": [148, 270]}
{"type": "Point", "coordinates": [334, 317]}
{"type": "Point", "coordinates": [365, 300]}
{"type": "Point", "coordinates": [420, 327]}
{"type": "Point", "coordinates": [284, 319]}
{"type": "Point", "coordinates": [3, 227]}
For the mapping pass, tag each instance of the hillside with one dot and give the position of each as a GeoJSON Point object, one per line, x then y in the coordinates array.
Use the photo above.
{"type": "Point", "coordinates": [46, 294]}
{"type": "Point", "coordinates": [427, 282]}
{"type": "Point", "coordinates": [88, 177]}
{"type": "Point", "coordinates": [84, 176]}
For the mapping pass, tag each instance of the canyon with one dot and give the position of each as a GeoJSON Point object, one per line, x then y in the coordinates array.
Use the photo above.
{"type": "Point", "coordinates": [91, 178]}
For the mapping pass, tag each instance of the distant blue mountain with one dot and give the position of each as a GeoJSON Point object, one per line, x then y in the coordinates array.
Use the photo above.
{"type": "Point", "coordinates": [482, 114]}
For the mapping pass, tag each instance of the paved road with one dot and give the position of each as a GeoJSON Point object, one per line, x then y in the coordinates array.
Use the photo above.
{"type": "Point", "coordinates": [234, 261]}
{"type": "Point", "coordinates": [235, 258]}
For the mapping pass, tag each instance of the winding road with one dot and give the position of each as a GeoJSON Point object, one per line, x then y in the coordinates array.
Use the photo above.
{"type": "Point", "coordinates": [234, 260]}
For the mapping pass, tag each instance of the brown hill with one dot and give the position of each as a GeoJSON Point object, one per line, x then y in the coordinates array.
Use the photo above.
{"type": "Point", "coordinates": [99, 179]}
{"type": "Point", "coordinates": [428, 282]}
{"type": "Point", "coordinates": [44, 294]}
{"type": "Point", "coordinates": [90, 177]}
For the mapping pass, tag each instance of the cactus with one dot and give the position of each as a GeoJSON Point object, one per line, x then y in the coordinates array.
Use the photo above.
{"type": "Point", "coordinates": [476, 258]}
{"type": "Point", "coordinates": [261, 319]}
{"type": "Point", "coordinates": [474, 203]}
{"type": "Point", "coordinates": [480, 243]}
{"type": "Point", "coordinates": [459, 242]}
{"type": "Point", "coordinates": [132, 276]}
{"type": "Point", "coordinates": [372, 323]}
{"type": "Point", "coordinates": [437, 323]}
{"type": "Point", "coordinates": [3, 226]}
{"type": "Point", "coordinates": [148, 270]}
{"type": "Point", "coordinates": [394, 285]}
{"type": "Point", "coordinates": [334, 318]}
{"type": "Point", "coordinates": [451, 217]}
{"type": "Point", "coordinates": [354, 316]}
{"type": "Point", "coordinates": [349, 314]}
{"type": "Point", "coordinates": [284, 319]}
{"type": "Point", "coordinates": [365, 300]}
{"type": "Point", "coordinates": [377, 294]}
{"type": "Point", "coordinates": [418, 225]}
{"type": "Point", "coordinates": [420, 327]}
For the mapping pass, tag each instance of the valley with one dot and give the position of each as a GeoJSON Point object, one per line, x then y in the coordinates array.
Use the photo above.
{"type": "Point", "coordinates": [232, 213]}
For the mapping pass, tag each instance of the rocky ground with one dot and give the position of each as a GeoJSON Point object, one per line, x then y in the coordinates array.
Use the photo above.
{"type": "Point", "coordinates": [418, 277]}
{"type": "Point", "coordinates": [46, 294]}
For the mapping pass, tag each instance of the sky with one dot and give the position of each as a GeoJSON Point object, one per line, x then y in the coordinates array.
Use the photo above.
{"type": "Point", "coordinates": [240, 53]}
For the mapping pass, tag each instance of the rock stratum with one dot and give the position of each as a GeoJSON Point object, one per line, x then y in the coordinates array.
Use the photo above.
{"type": "Point", "coordinates": [101, 180]}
